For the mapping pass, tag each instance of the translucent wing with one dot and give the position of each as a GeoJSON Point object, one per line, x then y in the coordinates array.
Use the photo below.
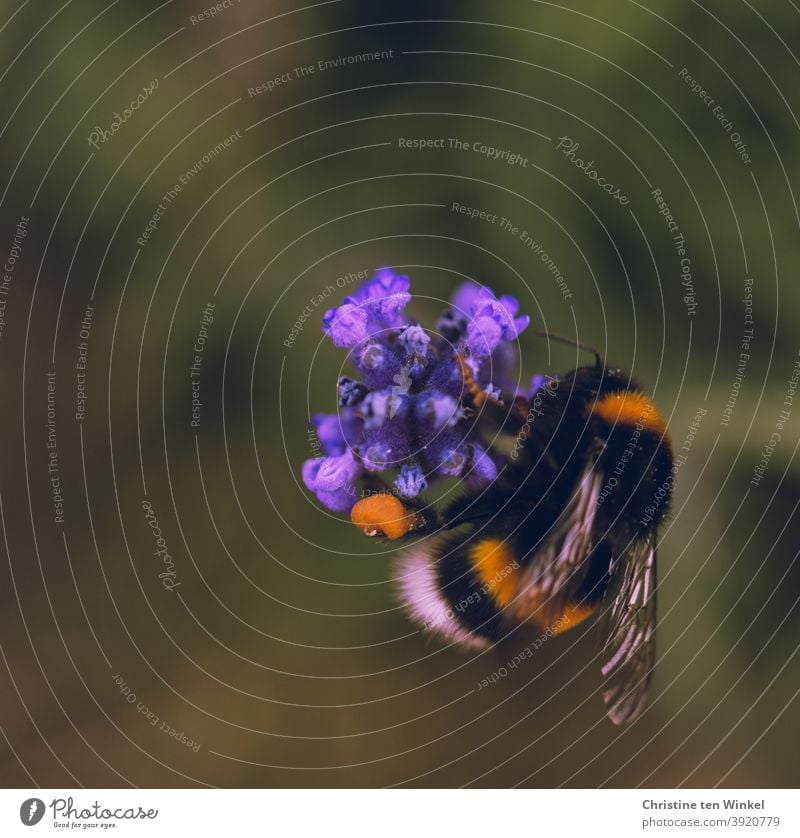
{"type": "Point", "coordinates": [559, 565]}
{"type": "Point", "coordinates": [629, 653]}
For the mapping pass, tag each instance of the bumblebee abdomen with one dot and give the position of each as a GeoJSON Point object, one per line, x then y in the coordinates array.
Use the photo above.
{"type": "Point", "coordinates": [460, 586]}
{"type": "Point", "coordinates": [477, 577]}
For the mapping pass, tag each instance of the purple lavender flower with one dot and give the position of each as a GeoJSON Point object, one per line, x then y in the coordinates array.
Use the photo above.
{"type": "Point", "coordinates": [333, 480]}
{"type": "Point", "coordinates": [376, 306]}
{"type": "Point", "coordinates": [329, 433]}
{"type": "Point", "coordinates": [483, 466]}
{"type": "Point", "coordinates": [453, 460]}
{"type": "Point", "coordinates": [337, 432]}
{"type": "Point", "coordinates": [384, 296]}
{"type": "Point", "coordinates": [403, 413]}
{"type": "Point", "coordinates": [463, 298]}
{"type": "Point", "coordinates": [387, 447]}
{"type": "Point", "coordinates": [436, 410]}
{"type": "Point", "coordinates": [411, 481]}
{"type": "Point", "coordinates": [415, 340]}
{"type": "Point", "coordinates": [346, 325]}
{"type": "Point", "coordinates": [351, 392]}
{"type": "Point", "coordinates": [491, 321]}
{"type": "Point", "coordinates": [377, 363]}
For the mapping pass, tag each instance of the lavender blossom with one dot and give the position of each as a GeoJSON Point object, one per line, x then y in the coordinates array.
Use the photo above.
{"type": "Point", "coordinates": [403, 413]}
{"type": "Point", "coordinates": [333, 480]}
{"type": "Point", "coordinates": [411, 481]}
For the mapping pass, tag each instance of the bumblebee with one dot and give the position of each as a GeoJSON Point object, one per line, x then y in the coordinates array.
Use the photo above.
{"type": "Point", "coordinates": [568, 528]}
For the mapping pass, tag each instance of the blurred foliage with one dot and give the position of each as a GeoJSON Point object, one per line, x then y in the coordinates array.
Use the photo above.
{"type": "Point", "coordinates": [284, 653]}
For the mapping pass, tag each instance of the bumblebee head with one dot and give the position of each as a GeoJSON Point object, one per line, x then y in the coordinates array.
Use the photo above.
{"type": "Point", "coordinates": [596, 381]}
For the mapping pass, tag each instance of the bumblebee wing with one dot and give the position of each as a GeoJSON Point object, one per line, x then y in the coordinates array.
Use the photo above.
{"type": "Point", "coordinates": [558, 565]}
{"type": "Point", "coordinates": [629, 653]}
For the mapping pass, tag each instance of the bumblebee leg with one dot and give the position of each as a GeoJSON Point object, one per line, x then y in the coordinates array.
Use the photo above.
{"type": "Point", "coordinates": [494, 413]}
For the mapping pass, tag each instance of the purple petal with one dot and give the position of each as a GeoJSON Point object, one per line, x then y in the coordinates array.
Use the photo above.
{"type": "Point", "coordinates": [351, 392]}
{"type": "Point", "coordinates": [411, 481]}
{"type": "Point", "coordinates": [377, 364]}
{"type": "Point", "coordinates": [520, 324]}
{"type": "Point", "coordinates": [484, 333]}
{"type": "Point", "coordinates": [453, 461]}
{"type": "Point", "coordinates": [537, 382]}
{"type": "Point", "coordinates": [329, 432]}
{"type": "Point", "coordinates": [464, 296]}
{"type": "Point", "coordinates": [446, 453]}
{"type": "Point", "coordinates": [333, 480]}
{"type": "Point", "coordinates": [501, 311]}
{"type": "Point", "coordinates": [382, 405]}
{"type": "Point", "coordinates": [336, 473]}
{"type": "Point", "coordinates": [339, 501]}
{"type": "Point", "coordinates": [383, 298]}
{"type": "Point", "coordinates": [436, 410]}
{"type": "Point", "coordinates": [386, 447]}
{"type": "Point", "coordinates": [446, 377]}
{"type": "Point", "coordinates": [385, 283]}
{"type": "Point", "coordinates": [337, 432]}
{"type": "Point", "coordinates": [510, 304]}
{"type": "Point", "coordinates": [483, 466]}
{"type": "Point", "coordinates": [415, 340]}
{"type": "Point", "coordinates": [310, 470]}
{"type": "Point", "coordinates": [346, 326]}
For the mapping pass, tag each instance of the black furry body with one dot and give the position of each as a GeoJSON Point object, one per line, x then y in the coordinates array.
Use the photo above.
{"type": "Point", "coordinates": [583, 462]}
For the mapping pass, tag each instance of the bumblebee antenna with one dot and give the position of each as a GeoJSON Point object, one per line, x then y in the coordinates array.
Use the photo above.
{"type": "Point", "coordinates": [570, 342]}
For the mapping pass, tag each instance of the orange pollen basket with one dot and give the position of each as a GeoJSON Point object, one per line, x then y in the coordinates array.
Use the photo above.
{"type": "Point", "coordinates": [385, 515]}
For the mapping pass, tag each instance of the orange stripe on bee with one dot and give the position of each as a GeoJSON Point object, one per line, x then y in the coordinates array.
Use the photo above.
{"type": "Point", "coordinates": [572, 616]}
{"type": "Point", "coordinates": [548, 615]}
{"type": "Point", "coordinates": [496, 566]}
{"type": "Point", "coordinates": [630, 408]}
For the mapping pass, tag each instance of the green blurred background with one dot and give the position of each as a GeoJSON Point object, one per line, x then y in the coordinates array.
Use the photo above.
{"type": "Point", "coordinates": [282, 654]}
